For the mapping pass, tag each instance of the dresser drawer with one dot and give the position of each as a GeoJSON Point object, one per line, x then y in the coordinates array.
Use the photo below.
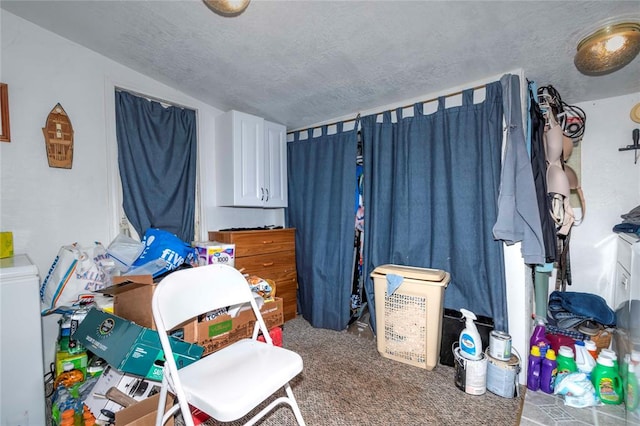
{"type": "Point", "coordinates": [268, 265]}
{"type": "Point", "coordinates": [249, 243]}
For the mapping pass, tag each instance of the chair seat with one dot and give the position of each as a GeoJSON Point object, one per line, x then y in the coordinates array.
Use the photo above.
{"type": "Point", "coordinates": [216, 385]}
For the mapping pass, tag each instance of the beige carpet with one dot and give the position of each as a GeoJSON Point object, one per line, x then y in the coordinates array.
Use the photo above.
{"type": "Point", "coordinates": [346, 382]}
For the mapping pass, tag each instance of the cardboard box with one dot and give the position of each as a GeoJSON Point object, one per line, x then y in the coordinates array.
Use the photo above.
{"type": "Point", "coordinates": [215, 253]}
{"type": "Point", "coordinates": [143, 413]}
{"type": "Point", "coordinates": [132, 386]}
{"type": "Point", "coordinates": [224, 330]}
{"type": "Point", "coordinates": [132, 296]}
{"type": "Point", "coordinates": [129, 347]}
{"type": "Point", "coordinates": [6, 244]}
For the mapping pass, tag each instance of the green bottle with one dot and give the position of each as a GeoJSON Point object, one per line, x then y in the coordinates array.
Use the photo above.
{"type": "Point", "coordinates": [631, 389]}
{"type": "Point", "coordinates": [607, 382]}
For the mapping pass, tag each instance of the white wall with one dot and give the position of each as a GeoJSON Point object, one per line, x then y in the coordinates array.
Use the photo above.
{"type": "Point", "coordinates": [611, 185]}
{"type": "Point", "coordinates": [45, 207]}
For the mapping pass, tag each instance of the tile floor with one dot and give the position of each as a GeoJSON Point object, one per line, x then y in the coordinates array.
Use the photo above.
{"type": "Point", "coordinates": [541, 409]}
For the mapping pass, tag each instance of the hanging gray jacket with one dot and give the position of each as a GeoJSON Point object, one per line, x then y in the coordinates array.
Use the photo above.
{"type": "Point", "coordinates": [518, 218]}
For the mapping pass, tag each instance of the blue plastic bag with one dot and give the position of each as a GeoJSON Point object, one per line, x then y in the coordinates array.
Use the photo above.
{"type": "Point", "coordinates": [164, 249]}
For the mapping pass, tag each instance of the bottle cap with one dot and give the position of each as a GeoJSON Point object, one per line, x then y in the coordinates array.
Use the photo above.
{"type": "Point", "coordinates": [590, 345]}
{"type": "Point", "coordinates": [635, 356]}
{"type": "Point", "coordinates": [565, 351]}
{"type": "Point", "coordinates": [535, 350]}
{"type": "Point", "coordinates": [579, 343]}
{"type": "Point", "coordinates": [608, 353]}
{"type": "Point", "coordinates": [605, 362]}
{"type": "Point", "coordinates": [551, 354]}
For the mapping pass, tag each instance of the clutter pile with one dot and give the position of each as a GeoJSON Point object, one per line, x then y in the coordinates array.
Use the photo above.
{"type": "Point", "coordinates": [572, 354]}
{"type": "Point", "coordinates": [109, 360]}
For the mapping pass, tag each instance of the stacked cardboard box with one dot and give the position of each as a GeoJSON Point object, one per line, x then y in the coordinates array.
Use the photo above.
{"type": "Point", "coordinates": [132, 301]}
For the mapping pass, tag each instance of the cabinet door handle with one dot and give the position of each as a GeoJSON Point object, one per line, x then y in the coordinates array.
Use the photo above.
{"type": "Point", "coordinates": [267, 264]}
{"type": "Point", "coordinates": [267, 242]}
{"type": "Point", "coordinates": [261, 194]}
{"type": "Point", "coordinates": [267, 191]}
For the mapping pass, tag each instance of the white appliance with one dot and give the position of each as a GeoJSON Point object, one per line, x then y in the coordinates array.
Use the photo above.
{"type": "Point", "coordinates": [21, 364]}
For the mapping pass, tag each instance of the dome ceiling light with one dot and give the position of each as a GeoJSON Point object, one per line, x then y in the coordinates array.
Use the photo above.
{"type": "Point", "coordinates": [608, 49]}
{"type": "Point", "coordinates": [227, 7]}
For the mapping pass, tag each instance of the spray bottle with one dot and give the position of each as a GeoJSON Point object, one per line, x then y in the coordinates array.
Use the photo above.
{"type": "Point", "coordinates": [470, 342]}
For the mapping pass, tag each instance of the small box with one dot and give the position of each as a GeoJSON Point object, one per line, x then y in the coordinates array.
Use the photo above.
{"type": "Point", "coordinates": [79, 362]}
{"type": "Point", "coordinates": [6, 244]}
{"type": "Point", "coordinates": [132, 296]}
{"type": "Point", "coordinates": [215, 253]}
{"type": "Point", "coordinates": [132, 386]}
{"type": "Point", "coordinates": [224, 330]}
{"type": "Point", "coordinates": [409, 318]}
{"type": "Point", "coordinates": [129, 347]}
{"type": "Point", "coordinates": [143, 413]}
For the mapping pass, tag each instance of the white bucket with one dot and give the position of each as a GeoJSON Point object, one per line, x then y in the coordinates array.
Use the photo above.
{"type": "Point", "coordinates": [470, 375]}
{"type": "Point", "coordinates": [502, 376]}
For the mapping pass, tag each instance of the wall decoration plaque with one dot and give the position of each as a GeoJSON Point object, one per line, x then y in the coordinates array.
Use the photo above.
{"type": "Point", "coordinates": [58, 138]}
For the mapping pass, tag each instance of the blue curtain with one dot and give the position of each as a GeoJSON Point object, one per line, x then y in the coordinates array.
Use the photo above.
{"type": "Point", "coordinates": [431, 190]}
{"type": "Point", "coordinates": [157, 161]}
{"type": "Point", "coordinates": [321, 172]}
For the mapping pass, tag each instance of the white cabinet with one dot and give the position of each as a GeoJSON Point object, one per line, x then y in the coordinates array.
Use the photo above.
{"type": "Point", "coordinates": [21, 360]}
{"type": "Point", "coordinates": [251, 161]}
{"type": "Point", "coordinates": [626, 269]}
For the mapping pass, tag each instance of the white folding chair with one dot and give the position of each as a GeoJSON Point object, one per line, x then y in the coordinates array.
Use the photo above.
{"type": "Point", "coordinates": [229, 383]}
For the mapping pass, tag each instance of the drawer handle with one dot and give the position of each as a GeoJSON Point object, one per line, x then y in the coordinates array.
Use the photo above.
{"type": "Point", "coordinates": [267, 264]}
{"type": "Point", "coordinates": [267, 242]}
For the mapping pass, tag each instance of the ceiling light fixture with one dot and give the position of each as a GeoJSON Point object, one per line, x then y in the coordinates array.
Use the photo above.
{"type": "Point", "coordinates": [227, 7]}
{"type": "Point", "coordinates": [608, 49]}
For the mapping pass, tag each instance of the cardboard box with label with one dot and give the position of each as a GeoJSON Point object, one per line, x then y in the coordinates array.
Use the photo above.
{"type": "Point", "coordinates": [129, 347]}
{"type": "Point", "coordinates": [224, 330]}
{"type": "Point", "coordinates": [215, 253]}
{"type": "Point", "coordinates": [132, 295]}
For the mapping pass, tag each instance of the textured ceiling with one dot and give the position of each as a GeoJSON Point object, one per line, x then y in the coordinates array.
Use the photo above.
{"type": "Point", "coordinates": [304, 62]}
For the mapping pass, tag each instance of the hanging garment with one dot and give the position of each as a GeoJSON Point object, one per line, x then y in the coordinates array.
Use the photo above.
{"type": "Point", "coordinates": [517, 219]}
{"type": "Point", "coordinates": [557, 181]}
{"type": "Point", "coordinates": [539, 170]}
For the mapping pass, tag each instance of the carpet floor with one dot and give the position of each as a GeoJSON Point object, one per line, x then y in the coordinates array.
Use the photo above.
{"type": "Point", "coordinates": [346, 381]}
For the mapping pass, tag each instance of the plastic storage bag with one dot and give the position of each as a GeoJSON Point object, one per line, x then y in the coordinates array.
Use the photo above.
{"type": "Point", "coordinates": [163, 246]}
{"type": "Point", "coordinates": [75, 271]}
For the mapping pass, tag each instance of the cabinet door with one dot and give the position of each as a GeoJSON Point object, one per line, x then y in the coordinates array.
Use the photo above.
{"type": "Point", "coordinates": [275, 165]}
{"type": "Point", "coordinates": [249, 147]}
{"type": "Point", "coordinates": [239, 159]}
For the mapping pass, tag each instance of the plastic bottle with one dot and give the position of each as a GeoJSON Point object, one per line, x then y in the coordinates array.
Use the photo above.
{"type": "Point", "coordinates": [533, 369]}
{"type": "Point", "coordinates": [607, 382]}
{"type": "Point", "coordinates": [548, 371]}
{"type": "Point", "coordinates": [584, 360]}
{"type": "Point", "coordinates": [631, 397]}
{"type": "Point", "coordinates": [592, 348]}
{"type": "Point", "coordinates": [538, 336]}
{"type": "Point", "coordinates": [470, 342]}
{"type": "Point", "coordinates": [566, 362]}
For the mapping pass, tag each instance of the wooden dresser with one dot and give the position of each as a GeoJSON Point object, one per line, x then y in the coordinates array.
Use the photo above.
{"type": "Point", "coordinates": [267, 254]}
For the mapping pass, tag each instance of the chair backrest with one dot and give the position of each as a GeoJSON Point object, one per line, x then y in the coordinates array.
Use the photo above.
{"type": "Point", "coordinates": [187, 293]}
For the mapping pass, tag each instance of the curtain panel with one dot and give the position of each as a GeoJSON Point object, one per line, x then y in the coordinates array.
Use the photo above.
{"type": "Point", "coordinates": [321, 180]}
{"type": "Point", "coordinates": [157, 154]}
{"type": "Point", "coordinates": [431, 187]}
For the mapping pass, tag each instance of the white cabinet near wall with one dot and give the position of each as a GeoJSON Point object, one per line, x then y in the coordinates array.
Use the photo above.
{"type": "Point", "coordinates": [251, 161]}
{"type": "Point", "coordinates": [627, 265]}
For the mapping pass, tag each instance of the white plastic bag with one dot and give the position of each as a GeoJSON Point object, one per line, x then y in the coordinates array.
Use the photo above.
{"type": "Point", "coordinates": [76, 271]}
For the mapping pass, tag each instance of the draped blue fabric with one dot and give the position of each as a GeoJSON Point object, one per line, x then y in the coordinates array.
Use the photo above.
{"type": "Point", "coordinates": [321, 173]}
{"type": "Point", "coordinates": [431, 187]}
{"type": "Point", "coordinates": [157, 149]}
